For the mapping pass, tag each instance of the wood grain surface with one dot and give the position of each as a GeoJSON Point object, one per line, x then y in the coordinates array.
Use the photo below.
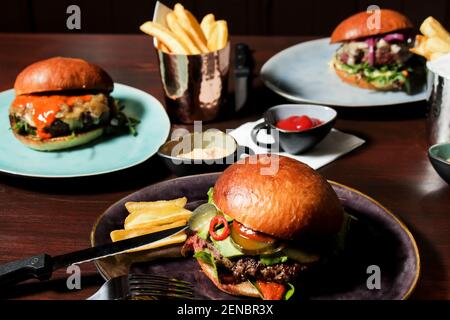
{"type": "Point", "coordinates": [56, 216]}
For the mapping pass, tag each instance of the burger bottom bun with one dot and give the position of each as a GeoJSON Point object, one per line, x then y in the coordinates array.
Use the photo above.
{"type": "Point", "coordinates": [241, 289]}
{"type": "Point", "coordinates": [358, 81]}
{"type": "Point", "coordinates": [59, 143]}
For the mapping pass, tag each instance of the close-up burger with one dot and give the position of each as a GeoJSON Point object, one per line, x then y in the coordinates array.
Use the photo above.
{"type": "Point", "coordinates": [61, 103]}
{"type": "Point", "coordinates": [375, 51]}
{"type": "Point", "coordinates": [259, 233]}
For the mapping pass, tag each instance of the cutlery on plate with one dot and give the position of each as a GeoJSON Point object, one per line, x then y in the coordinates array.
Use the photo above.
{"type": "Point", "coordinates": [43, 265]}
{"type": "Point", "coordinates": [141, 286]}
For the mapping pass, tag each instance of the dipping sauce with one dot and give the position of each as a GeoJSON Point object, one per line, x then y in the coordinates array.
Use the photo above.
{"type": "Point", "coordinates": [205, 154]}
{"type": "Point", "coordinates": [298, 123]}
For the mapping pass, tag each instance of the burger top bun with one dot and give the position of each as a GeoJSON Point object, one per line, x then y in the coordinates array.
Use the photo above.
{"type": "Point", "coordinates": [291, 203]}
{"type": "Point", "coordinates": [60, 74]}
{"type": "Point", "coordinates": [360, 25]}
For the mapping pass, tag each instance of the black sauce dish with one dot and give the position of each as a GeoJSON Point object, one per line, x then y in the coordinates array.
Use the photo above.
{"type": "Point", "coordinates": [171, 152]}
{"type": "Point", "coordinates": [295, 142]}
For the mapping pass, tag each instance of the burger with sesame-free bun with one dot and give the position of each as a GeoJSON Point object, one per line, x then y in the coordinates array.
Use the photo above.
{"type": "Point", "coordinates": [375, 52]}
{"type": "Point", "coordinates": [62, 103]}
{"type": "Point", "coordinates": [259, 232]}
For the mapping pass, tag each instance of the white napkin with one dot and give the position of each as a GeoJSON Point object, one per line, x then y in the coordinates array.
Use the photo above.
{"type": "Point", "coordinates": [335, 144]}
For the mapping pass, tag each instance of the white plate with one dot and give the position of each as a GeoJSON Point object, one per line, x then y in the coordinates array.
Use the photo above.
{"type": "Point", "coordinates": [302, 73]}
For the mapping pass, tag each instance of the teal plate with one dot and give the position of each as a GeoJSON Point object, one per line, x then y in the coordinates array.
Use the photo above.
{"type": "Point", "coordinates": [101, 156]}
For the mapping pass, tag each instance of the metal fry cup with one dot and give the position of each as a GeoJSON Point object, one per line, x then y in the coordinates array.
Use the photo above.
{"type": "Point", "coordinates": [195, 86]}
{"type": "Point", "coordinates": [438, 107]}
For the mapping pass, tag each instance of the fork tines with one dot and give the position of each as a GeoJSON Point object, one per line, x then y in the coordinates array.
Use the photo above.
{"type": "Point", "coordinates": [159, 286]}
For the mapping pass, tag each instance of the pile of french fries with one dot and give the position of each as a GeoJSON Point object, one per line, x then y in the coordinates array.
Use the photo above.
{"type": "Point", "coordinates": [185, 35]}
{"type": "Point", "coordinates": [150, 217]}
{"type": "Point", "coordinates": [434, 41]}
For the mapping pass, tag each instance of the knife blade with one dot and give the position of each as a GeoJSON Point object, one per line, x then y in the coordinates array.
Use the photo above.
{"type": "Point", "coordinates": [42, 266]}
{"type": "Point", "coordinates": [242, 74]}
{"type": "Point", "coordinates": [112, 249]}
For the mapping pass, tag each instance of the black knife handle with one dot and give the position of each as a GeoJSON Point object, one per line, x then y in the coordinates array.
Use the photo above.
{"type": "Point", "coordinates": [241, 55]}
{"type": "Point", "coordinates": [39, 267]}
{"type": "Point", "coordinates": [242, 60]}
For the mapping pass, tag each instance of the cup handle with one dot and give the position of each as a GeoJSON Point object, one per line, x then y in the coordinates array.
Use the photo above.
{"type": "Point", "coordinates": [244, 150]}
{"type": "Point", "coordinates": [254, 135]}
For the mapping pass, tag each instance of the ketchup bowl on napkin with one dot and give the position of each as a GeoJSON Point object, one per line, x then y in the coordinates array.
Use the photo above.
{"type": "Point", "coordinates": [295, 128]}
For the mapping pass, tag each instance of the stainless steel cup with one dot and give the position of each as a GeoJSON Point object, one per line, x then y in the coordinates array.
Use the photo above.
{"type": "Point", "coordinates": [195, 86]}
{"type": "Point", "coordinates": [439, 108]}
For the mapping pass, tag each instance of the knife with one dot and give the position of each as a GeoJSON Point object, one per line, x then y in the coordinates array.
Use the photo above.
{"type": "Point", "coordinates": [242, 73]}
{"type": "Point", "coordinates": [43, 265]}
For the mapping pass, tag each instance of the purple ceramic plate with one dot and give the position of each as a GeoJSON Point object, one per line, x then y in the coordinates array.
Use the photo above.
{"type": "Point", "coordinates": [378, 238]}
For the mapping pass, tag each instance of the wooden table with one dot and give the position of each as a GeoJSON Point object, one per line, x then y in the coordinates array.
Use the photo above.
{"type": "Point", "coordinates": [55, 216]}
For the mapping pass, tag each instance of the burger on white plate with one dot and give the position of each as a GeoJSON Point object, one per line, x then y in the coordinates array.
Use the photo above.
{"type": "Point", "coordinates": [62, 103]}
{"type": "Point", "coordinates": [375, 52]}
{"type": "Point", "coordinates": [259, 233]}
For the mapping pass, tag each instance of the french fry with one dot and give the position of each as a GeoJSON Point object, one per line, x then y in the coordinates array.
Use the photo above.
{"type": "Point", "coordinates": [118, 235]}
{"type": "Point", "coordinates": [164, 35]}
{"type": "Point", "coordinates": [218, 36]}
{"type": "Point", "coordinates": [435, 44]}
{"type": "Point", "coordinates": [435, 55]}
{"type": "Point", "coordinates": [183, 36]}
{"type": "Point", "coordinates": [161, 46]}
{"type": "Point", "coordinates": [207, 23]}
{"type": "Point", "coordinates": [151, 224]}
{"type": "Point", "coordinates": [122, 234]}
{"type": "Point", "coordinates": [190, 24]}
{"type": "Point", "coordinates": [433, 29]}
{"type": "Point", "coordinates": [420, 46]}
{"type": "Point", "coordinates": [155, 218]}
{"type": "Point", "coordinates": [155, 205]}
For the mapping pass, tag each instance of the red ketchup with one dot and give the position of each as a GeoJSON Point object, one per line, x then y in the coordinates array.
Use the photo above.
{"type": "Point", "coordinates": [298, 123]}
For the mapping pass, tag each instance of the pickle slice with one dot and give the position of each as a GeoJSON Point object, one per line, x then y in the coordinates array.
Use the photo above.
{"type": "Point", "coordinates": [251, 246]}
{"type": "Point", "coordinates": [201, 217]}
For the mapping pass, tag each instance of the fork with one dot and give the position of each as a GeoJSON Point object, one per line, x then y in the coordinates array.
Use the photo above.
{"type": "Point", "coordinates": [144, 286]}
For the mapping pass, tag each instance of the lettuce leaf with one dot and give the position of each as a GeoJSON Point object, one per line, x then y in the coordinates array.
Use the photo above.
{"type": "Point", "coordinates": [22, 127]}
{"type": "Point", "coordinates": [290, 292]}
{"type": "Point", "coordinates": [207, 257]}
{"type": "Point", "coordinates": [378, 76]}
{"type": "Point", "coordinates": [255, 285]}
{"type": "Point", "coordinates": [210, 194]}
{"type": "Point", "coordinates": [269, 260]}
{"type": "Point", "coordinates": [226, 248]}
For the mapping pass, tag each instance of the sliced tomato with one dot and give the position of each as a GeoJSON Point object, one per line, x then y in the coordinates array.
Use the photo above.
{"type": "Point", "coordinates": [252, 242]}
{"type": "Point", "coordinates": [271, 290]}
{"type": "Point", "coordinates": [251, 234]}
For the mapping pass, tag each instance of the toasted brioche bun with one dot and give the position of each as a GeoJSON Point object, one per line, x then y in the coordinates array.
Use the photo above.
{"type": "Point", "coordinates": [62, 74]}
{"type": "Point", "coordinates": [291, 203]}
{"type": "Point", "coordinates": [240, 289]}
{"type": "Point", "coordinates": [58, 143]}
{"type": "Point", "coordinates": [357, 26]}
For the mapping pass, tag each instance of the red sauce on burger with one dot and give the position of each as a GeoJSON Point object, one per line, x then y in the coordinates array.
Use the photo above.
{"type": "Point", "coordinates": [45, 108]}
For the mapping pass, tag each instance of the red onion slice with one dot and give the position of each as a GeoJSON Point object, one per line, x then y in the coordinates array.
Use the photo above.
{"type": "Point", "coordinates": [394, 37]}
{"type": "Point", "coordinates": [371, 43]}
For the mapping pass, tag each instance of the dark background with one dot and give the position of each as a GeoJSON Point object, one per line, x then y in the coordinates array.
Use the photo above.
{"type": "Point", "coordinates": [246, 17]}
